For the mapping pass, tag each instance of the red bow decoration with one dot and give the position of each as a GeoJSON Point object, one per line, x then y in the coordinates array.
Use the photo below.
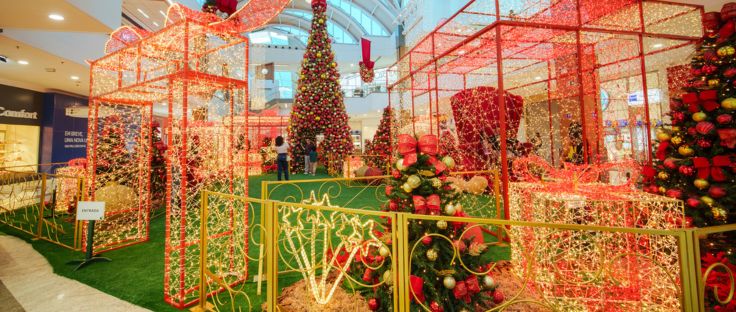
{"type": "Point", "coordinates": [429, 205]}
{"type": "Point", "coordinates": [438, 165]}
{"type": "Point", "coordinates": [728, 137]}
{"type": "Point", "coordinates": [461, 292]}
{"type": "Point", "coordinates": [472, 283]}
{"type": "Point", "coordinates": [417, 284]}
{"type": "Point", "coordinates": [690, 98]}
{"type": "Point", "coordinates": [316, 3]}
{"type": "Point", "coordinates": [706, 169]}
{"type": "Point", "coordinates": [429, 144]}
{"type": "Point", "coordinates": [407, 144]}
{"type": "Point", "coordinates": [410, 159]}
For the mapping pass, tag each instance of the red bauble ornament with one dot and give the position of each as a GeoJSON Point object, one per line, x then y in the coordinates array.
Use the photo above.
{"type": "Point", "coordinates": [704, 127]}
{"type": "Point", "coordinates": [373, 304]}
{"type": "Point", "coordinates": [396, 174]}
{"type": "Point", "coordinates": [686, 170]}
{"type": "Point", "coordinates": [426, 240]}
{"type": "Point", "coordinates": [673, 193]}
{"type": "Point", "coordinates": [724, 119]}
{"type": "Point", "coordinates": [670, 163]}
{"type": "Point", "coordinates": [677, 116]}
{"type": "Point", "coordinates": [716, 191]}
{"type": "Point", "coordinates": [460, 245]}
{"type": "Point", "coordinates": [703, 143]}
{"type": "Point", "coordinates": [498, 296]}
{"type": "Point", "coordinates": [729, 72]}
{"type": "Point", "coordinates": [693, 202]}
{"type": "Point", "coordinates": [692, 131]}
{"type": "Point", "coordinates": [393, 206]}
{"type": "Point", "coordinates": [435, 307]}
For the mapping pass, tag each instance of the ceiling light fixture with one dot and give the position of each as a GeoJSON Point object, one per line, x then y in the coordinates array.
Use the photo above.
{"type": "Point", "coordinates": [144, 13]}
{"type": "Point", "coordinates": [23, 62]}
{"type": "Point", "coordinates": [170, 2]}
{"type": "Point", "coordinates": [156, 24]}
{"type": "Point", "coordinates": [657, 45]}
{"type": "Point", "coordinates": [538, 78]}
{"type": "Point", "coordinates": [74, 77]}
{"type": "Point", "coordinates": [56, 17]}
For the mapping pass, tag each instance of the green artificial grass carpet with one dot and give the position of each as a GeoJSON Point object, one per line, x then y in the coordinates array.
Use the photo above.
{"type": "Point", "coordinates": [136, 272]}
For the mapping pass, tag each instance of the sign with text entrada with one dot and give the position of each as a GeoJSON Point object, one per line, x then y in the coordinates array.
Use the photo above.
{"type": "Point", "coordinates": [20, 106]}
{"type": "Point", "coordinates": [88, 210]}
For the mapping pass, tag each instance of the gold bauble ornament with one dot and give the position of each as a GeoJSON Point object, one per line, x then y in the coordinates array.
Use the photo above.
{"type": "Point", "coordinates": [449, 282]}
{"type": "Point", "coordinates": [675, 128]}
{"type": "Point", "coordinates": [317, 118]}
{"type": "Point", "coordinates": [384, 251]}
{"type": "Point", "coordinates": [387, 277]}
{"type": "Point", "coordinates": [726, 51]}
{"type": "Point", "coordinates": [400, 165]}
{"type": "Point", "coordinates": [323, 76]}
{"type": "Point", "coordinates": [407, 188]}
{"type": "Point", "coordinates": [442, 224]}
{"type": "Point", "coordinates": [414, 181]}
{"type": "Point", "coordinates": [663, 136]}
{"type": "Point", "coordinates": [319, 54]}
{"type": "Point", "coordinates": [334, 64]}
{"type": "Point", "coordinates": [449, 162]}
{"type": "Point", "coordinates": [718, 213]}
{"type": "Point", "coordinates": [701, 184]}
{"type": "Point", "coordinates": [707, 200]}
{"type": "Point", "coordinates": [432, 255]}
{"type": "Point", "coordinates": [662, 190]}
{"type": "Point", "coordinates": [685, 150]}
{"type": "Point", "coordinates": [450, 210]}
{"type": "Point", "coordinates": [436, 183]}
{"type": "Point", "coordinates": [714, 82]}
{"type": "Point", "coordinates": [676, 140]}
{"type": "Point", "coordinates": [663, 175]}
{"type": "Point", "coordinates": [729, 103]}
{"type": "Point", "coordinates": [699, 116]}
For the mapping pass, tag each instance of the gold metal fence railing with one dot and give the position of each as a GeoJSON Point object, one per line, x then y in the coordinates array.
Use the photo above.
{"type": "Point", "coordinates": [42, 204]}
{"type": "Point", "coordinates": [659, 270]}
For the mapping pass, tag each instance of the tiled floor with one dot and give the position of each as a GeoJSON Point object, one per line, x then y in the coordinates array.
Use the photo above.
{"type": "Point", "coordinates": [30, 279]}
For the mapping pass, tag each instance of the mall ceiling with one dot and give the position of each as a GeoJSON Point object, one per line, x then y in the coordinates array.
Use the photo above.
{"type": "Point", "coordinates": [50, 55]}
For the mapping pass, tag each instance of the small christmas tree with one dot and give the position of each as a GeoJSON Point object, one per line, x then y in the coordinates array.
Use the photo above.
{"type": "Point", "coordinates": [437, 282]}
{"type": "Point", "coordinates": [694, 158]}
{"type": "Point", "coordinates": [379, 151]}
{"type": "Point", "coordinates": [318, 105]}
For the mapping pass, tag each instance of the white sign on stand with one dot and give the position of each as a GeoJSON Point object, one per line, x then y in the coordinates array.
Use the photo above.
{"type": "Point", "coordinates": [87, 210]}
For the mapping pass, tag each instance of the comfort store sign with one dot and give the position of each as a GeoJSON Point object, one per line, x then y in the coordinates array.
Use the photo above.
{"type": "Point", "coordinates": [19, 106]}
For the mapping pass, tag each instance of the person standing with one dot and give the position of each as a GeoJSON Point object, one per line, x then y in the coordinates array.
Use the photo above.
{"type": "Point", "coordinates": [282, 160]}
{"type": "Point", "coordinates": [313, 159]}
{"type": "Point", "coordinates": [307, 148]}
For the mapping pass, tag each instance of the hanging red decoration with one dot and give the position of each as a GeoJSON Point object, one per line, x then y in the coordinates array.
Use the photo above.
{"type": "Point", "coordinates": [366, 65]}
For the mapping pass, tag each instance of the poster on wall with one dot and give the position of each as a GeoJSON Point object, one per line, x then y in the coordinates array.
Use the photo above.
{"type": "Point", "coordinates": [64, 128]}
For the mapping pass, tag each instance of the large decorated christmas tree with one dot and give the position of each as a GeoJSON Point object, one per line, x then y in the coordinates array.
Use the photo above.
{"type": "Point", "coordinates": [318, 105]}
{"type": "Point", "coordinates": [439, 281]}
{"type": "Point", "coordinates": [695, 155]}
{"type": "Point", "coordinates": [379, 151]}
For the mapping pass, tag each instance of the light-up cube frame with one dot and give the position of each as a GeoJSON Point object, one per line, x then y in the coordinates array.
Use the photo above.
{"type": "Point", "coordinates": [557, 56]}
{"type": "Point", "coordinates": [197, 71]}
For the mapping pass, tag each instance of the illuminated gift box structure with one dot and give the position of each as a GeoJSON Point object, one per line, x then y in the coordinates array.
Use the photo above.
{"type": "Point", "coordinates": [197, 67]}
{"type": "Point", "coordinates": [594, 270]}
{"type": "Point", "coordinates": [578, 67]}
